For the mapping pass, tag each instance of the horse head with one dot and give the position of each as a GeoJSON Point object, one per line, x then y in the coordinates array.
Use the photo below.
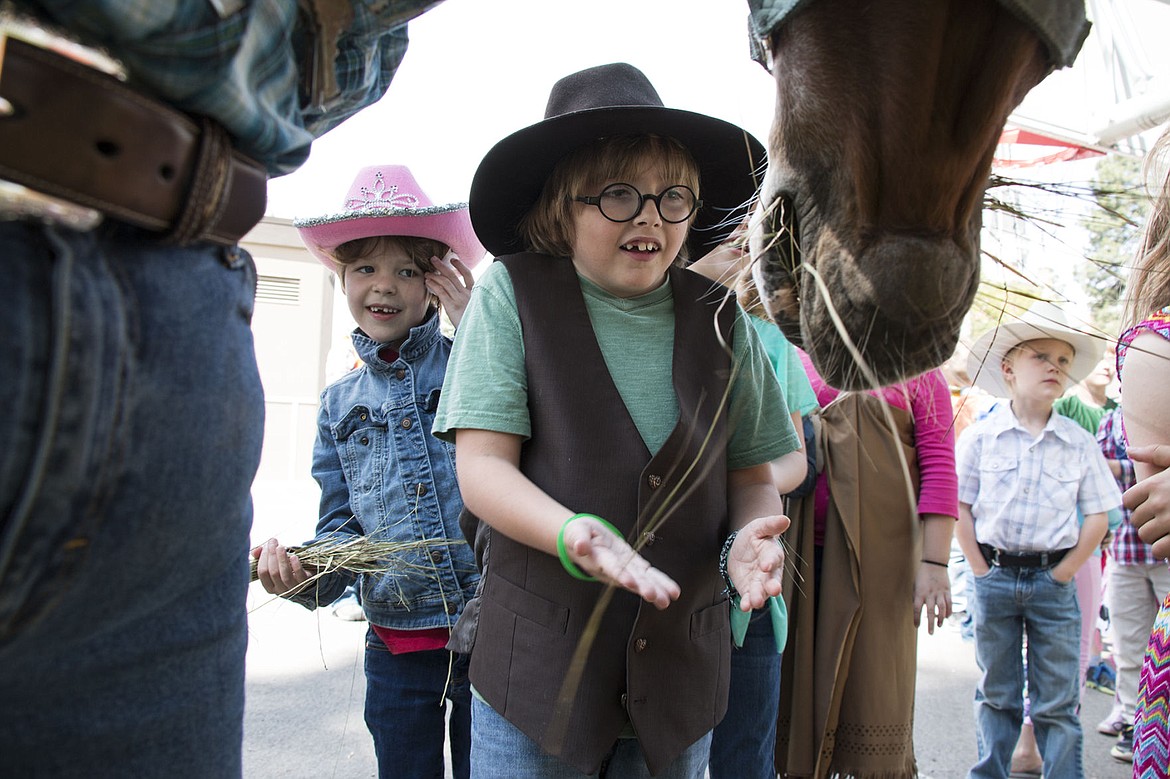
{"type": "Point", "coordinates": [866, 238]}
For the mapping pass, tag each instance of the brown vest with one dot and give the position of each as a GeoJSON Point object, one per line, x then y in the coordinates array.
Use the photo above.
{"type": "Point", "coordinates": [666, 671]}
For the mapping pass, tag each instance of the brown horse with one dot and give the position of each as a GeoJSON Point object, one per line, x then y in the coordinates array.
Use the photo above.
{"type": "Point", "coordinates": [887, 116]}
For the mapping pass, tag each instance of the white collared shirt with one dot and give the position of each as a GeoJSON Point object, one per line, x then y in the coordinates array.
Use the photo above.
{"type": "Point", "coordinates": [1024, 491]}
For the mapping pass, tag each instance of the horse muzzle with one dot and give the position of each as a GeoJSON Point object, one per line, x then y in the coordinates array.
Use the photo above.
{"type": "Point", "coordinates": [871, 316]}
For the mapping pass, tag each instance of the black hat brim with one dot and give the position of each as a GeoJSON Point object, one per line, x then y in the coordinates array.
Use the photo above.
{"type": "Point", "coordinates": [513, 172]}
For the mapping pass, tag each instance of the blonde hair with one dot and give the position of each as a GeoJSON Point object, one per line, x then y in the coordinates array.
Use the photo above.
{"type": "Point", "coordinates": [1149, 282]}
{"type": "Point", "coordinates": [419, 250]}
{"type": "Point", "coordinates": [547, 228]}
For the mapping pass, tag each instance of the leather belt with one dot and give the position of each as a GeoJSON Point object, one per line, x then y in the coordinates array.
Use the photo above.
{"type": "Point", "coordinates": [999, 557]}
{"type": "Point", "coordinates": [87, 137]}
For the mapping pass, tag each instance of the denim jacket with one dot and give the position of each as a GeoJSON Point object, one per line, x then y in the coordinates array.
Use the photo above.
{"type": "Point", "coordinates": [383, 474]}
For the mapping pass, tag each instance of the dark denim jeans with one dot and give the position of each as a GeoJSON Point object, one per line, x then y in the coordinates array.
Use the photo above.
{"type": "Point", "coordinates": [406, 715]}
{"type": "Point", "coordinates": [130, 432]}
{"type": "Point", "coordinates": [743, 745]}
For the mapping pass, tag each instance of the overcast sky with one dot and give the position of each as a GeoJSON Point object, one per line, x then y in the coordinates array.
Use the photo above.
{"type": "Point", "coordinates": [477, 70]}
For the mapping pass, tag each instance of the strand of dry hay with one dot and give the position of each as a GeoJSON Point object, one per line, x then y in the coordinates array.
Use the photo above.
{"type": "Point", "coordinates": [362, 555]}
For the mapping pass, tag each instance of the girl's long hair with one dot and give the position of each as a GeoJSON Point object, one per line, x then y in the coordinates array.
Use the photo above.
{"type": "Point", "coordinates": [1149, 282]}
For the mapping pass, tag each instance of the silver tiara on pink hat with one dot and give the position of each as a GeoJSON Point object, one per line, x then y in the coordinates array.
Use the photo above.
{"type": "Point", "coordinates": [385, 200]}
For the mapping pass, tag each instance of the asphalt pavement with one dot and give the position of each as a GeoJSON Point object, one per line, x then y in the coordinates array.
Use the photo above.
{"type": "Point", "coordinates": [305, 688]}
{"type": "Point", "coordinates": [305, 684]}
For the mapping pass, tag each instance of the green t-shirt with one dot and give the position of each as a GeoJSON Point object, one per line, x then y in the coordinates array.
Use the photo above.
{"type": "Point", "coordinates": [486, 387]}
{"type": "Point", "coordinates": [1088, 417]}
{"type": "Point", "coordinates": [798, 390]}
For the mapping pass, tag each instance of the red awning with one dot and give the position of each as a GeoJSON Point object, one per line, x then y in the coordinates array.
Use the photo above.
{"type": "Point", "coordinates": [1020, 158]}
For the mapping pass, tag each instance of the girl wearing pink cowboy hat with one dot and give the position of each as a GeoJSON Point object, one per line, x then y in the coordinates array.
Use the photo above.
{"type": "Point", "coordinates": [385, 200]}
{"type": "Point", "coordinates": [383, 476]}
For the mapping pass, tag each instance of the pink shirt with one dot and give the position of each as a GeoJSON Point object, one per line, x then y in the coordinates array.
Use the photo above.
{"type": "Point", "coordinates": [399, 642]}
{"type": "Point", "coordinates": [929, 401]}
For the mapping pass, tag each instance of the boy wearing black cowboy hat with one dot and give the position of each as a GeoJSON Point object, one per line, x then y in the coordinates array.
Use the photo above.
{"type": "Point", "coordinates": [616, 422]}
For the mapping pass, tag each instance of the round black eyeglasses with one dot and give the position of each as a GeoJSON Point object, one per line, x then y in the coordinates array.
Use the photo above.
{"type": "Point", "coordinates": [623, 202]}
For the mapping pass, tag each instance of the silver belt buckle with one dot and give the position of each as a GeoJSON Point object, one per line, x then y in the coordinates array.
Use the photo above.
{"type": "Point", "coordinates": [18, 202]}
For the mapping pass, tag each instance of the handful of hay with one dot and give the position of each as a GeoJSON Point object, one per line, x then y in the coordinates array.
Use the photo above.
{"type": "Point", "coordinates": [361, 554]}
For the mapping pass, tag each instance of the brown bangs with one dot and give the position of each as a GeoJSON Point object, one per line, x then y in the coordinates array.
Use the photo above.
{"type": "Point", "coordinates": [420, 251]}
{"type": "Point", "coordinates": [547, 228]}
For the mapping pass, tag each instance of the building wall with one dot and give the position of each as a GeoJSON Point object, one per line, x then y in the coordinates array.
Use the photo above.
{"type": "Point", "coordinates": [293, 327]}
{"type": "Point", "coordinates": [301, 328]}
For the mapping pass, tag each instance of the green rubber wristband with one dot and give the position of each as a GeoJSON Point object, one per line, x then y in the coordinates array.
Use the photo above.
{"type": "Point", "coordinates": [567, 562]}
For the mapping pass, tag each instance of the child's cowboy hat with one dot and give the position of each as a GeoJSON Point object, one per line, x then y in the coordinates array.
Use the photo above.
{"type": "Point", "coordinates": [607, 101]}
{"type": "Point", "coordinates": [386, 200]}
{"type": "Point", "coordinates": [1042, 320]}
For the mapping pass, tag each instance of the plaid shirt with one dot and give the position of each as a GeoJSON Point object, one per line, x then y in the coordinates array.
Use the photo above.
{"type": "Point", "coordinates": [249, 69]}
{"type": "Point", "coordinates": [1024, 491]}
{"type": "Point", "coordinates": [1126, 548]}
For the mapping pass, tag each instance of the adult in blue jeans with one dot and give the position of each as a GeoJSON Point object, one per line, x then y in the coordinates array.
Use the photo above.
{"type": "Point", "coordinates": [743, 745]}
{"type": "Point", "coordinates": [133, 410]}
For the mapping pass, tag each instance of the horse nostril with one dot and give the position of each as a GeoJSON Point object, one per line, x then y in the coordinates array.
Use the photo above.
{"type": "Point", "coordinates": [776, 263]}
{"type": "Point", "coordinates": [107, 148]}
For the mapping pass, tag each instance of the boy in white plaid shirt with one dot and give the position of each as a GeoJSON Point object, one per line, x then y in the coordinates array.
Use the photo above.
{"type": "Point", "coordinates": [1023, 473]}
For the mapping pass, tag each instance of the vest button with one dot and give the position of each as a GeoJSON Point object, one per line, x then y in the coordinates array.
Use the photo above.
{"type": "Point", "coordinates": [640, 644]}
{"type": "Point", "coordinates": [648, 538]}
{"type": "Point", "coordinates": [365, 441]}
{"type": "Point", "coordinates": [400, 374]}
{"type": "Point", "coordinates": [436, 556]}
{"type": "Point", "coordinates": [654, 480]}
{"type": "Point", "coordinates": [406, 423]}
{"type": "Point", "coordinates": [422, 490]}
{"type": "Point", "coordinates": [452, 608]}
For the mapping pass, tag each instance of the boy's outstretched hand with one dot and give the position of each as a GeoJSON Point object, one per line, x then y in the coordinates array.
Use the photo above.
{"type": "Point", "coordinates": [756, 561]}
{"type": "Point", "coordinates": [278, 572]}
{"type": "Point", "coordinates": [600, 553]}
{"type": "Point", "coordinates": [451, 281]}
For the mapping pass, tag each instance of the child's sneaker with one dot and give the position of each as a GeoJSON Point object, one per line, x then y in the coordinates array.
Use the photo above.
{"type": "Point", "coordinates": [1101, 677]}
{"type": "Point", "coordinates": [1123, 749]}
{"type": "Point", "coordinates": [1111, 725]}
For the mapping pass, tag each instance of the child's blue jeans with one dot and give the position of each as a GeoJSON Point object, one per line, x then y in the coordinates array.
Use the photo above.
{"type": "Point", "coordinates": [406, 715]}
{"type": "Point", "coordinates": [1010, 601]}
{"type": "Point", "coordinates": [131, 417]}
{"type": "Point", "coordinates": [743, 745]}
